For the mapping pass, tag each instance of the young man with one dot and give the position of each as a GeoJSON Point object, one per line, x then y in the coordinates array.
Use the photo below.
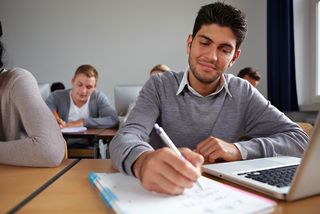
{"type": "Point", "coordinates": [83, 105]}
{"type": "Point", "coordinates": [204, 110]}
{"type": "Point", "coordinates": [251, 75]}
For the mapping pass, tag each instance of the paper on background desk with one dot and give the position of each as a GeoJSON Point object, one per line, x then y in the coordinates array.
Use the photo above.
{"type": "Point", "coordinates": [74, 129]}
{"type": "Point", "coordinates": [126, 195]}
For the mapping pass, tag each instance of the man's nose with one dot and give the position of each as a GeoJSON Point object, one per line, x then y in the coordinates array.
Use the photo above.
{"type": "Point", "coordinates": [212, 54]}
{"type": "Point", "coordinates": [83, 89]}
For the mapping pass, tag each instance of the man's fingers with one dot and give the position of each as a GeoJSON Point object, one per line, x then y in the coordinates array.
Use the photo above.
{"type": "Point", "coordinates": [194, 158]}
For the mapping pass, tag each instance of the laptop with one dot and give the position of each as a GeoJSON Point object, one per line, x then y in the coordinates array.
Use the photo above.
{"type": "Point", "coordinates": [282, 177]}
{"type": "Point", "coordinates": [123, 96]}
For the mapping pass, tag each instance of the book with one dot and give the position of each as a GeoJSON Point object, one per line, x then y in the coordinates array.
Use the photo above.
{"type": "Point", "coordinates": [74, 129]}
{"type": "Point", "coordinates": [125, 194]}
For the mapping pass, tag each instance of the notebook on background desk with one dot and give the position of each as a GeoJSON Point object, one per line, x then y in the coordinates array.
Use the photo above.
{"type": "Point", "coordinates": [74, 129]}
{"type": "Point", "coordinates": [260, 174]}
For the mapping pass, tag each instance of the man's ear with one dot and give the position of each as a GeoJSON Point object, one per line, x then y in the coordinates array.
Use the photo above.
{"type": "Point", "coordinates": [189, 41]}
{"type": "Point", "coordinates": [235, 57]}
{"type": "Point", "coordinates": [72, 80]}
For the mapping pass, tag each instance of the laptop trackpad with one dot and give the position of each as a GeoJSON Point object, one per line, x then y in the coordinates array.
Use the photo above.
{"type": "Point", "coordinates": [262, 164]}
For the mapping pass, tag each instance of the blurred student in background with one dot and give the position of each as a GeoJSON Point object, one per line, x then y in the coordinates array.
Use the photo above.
{"type": "Point", "coordinates": [29, 134]}
{"type": "Point", "coordinates": [251, 75]}
{"type": "Point", "coordinates": [57, 86]}
{"type": "Point", "coordinates": [158, 69]}
{"type": "Point", "coordinates": [83, 105]}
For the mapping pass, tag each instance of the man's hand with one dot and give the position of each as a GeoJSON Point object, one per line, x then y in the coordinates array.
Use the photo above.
{"type": "Point", "coordinates": [163, 171]}
{"type": "Point", "coordinates": [213, 148]}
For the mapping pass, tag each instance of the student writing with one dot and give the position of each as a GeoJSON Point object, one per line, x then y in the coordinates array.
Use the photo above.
{"type": "Point", "coordinates": [202, 109]}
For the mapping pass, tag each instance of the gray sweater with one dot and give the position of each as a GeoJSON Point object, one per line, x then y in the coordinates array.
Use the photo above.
{"type": "Point", "coordinates": [101, 113]}
{"type": "Point", "coordinates": [188, 119]}
{"type": "Point", "coordinates": [29, 134]}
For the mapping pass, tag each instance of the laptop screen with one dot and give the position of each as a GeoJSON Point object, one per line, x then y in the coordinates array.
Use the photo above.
{"type": "Point", "coordinates": [124, 95]}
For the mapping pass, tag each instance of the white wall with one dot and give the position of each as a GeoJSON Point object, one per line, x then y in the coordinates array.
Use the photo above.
{"type": "Point", "coordinates": [305, 49]}
{"type": "Point", "coordinates": [122, 39]}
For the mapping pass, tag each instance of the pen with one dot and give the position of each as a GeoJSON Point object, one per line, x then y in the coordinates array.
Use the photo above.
{"type": "Point", "coordinates": [56, 115]}
{"type": "Point", "coordinates": [169, 143]}
{"type": "Point", "coordinates": [59, 120]}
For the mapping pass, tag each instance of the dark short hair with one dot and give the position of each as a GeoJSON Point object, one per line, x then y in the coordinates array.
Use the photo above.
{"type": "Point", "coordinates": [224, 15]}
{"type": "Point", "coordinates": [57, 86]}
{"type": "Point", "coordinates": [251, 72]}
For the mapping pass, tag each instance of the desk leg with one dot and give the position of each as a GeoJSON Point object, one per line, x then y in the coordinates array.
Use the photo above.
{"type": "Point", "coordinates": [104, 149]}
{"type": "Point", "coordinates": [96, 149]}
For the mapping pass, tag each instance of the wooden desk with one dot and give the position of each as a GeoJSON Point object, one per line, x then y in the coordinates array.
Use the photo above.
{"type": "Point", "coordinates": [17, 183]}
{"type": "Point", "coordinates": [107, 134]}
{"type": "Point", "coordinates": [73, 193]}
{"type": "Point", "coordinates": [91, 135]}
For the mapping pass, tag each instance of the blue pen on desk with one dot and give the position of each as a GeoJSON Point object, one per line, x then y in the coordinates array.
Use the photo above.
{"type": "Point", "coordinates": [169, 143]}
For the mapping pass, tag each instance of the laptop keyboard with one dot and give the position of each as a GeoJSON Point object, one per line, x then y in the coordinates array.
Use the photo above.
{"type": "Point", "coordinates": [279, 177]}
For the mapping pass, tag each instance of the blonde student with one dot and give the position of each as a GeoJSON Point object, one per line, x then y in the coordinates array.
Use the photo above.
{"type": "Point", "coordinates": [157, 69]}
{"type": "Point", "coordinates": [29, 134]}
{"type": "Point", "coordinates": [83, 105]}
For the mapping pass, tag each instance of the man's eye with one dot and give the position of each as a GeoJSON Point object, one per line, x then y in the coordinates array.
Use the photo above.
{"type": "Point", "coordinates": [226, 50]}
{"type": "Point", "coordinates": [204, 43]}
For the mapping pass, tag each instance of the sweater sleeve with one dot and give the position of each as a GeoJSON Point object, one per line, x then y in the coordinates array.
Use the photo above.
{"type": "Point", "coordinates": [131, 140]}
{"type": "Point", "coordinates": [273, 133]}
{"type": "Point", "coordinates": [107, 117]}
{"type": "Point", "coordinates": [40, 142]}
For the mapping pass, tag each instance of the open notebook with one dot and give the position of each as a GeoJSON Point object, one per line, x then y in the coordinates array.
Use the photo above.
{"type": "Point", "coordinates": [125, 194]}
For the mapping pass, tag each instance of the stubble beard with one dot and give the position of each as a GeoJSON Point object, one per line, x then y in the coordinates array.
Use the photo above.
{"type": "Point", "coordinates": [199, 77]}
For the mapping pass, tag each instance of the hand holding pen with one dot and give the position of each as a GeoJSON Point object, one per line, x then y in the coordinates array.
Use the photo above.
{"type": "Point", "coordinates": [171, 145]}
{"type": "Point", "coordinates": [59, 120]}
{"type": "Point", "coordinates": [163, 171]}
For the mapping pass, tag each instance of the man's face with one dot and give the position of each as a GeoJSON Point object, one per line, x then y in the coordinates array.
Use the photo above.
{"type": "Point", "coordinates": [82, 88]}
{"type": "Point", "coordinates": [211, 52]}
{"type": "Point", "coordinates": [252, 81]}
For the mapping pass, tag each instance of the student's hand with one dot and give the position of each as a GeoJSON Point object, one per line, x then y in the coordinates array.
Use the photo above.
{"type": "Point", "coordinates": [213, 149]}
{"type": "Point", "coordinates": [163, 171]}
{"type": "Point", "coordinates": [61, 123]}
{"type": "Point", "coordinates": [59, 120]}
{"type": "Point", "coordinates": [76, 123]}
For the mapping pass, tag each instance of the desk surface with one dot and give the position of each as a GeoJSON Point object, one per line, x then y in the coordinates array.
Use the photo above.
{"type": "Point", "coordinates": [17, 183]}
{"type": "Point", "coordinates": [107, 134]}
{"type": "Point", "coordinates": [73, 193]}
